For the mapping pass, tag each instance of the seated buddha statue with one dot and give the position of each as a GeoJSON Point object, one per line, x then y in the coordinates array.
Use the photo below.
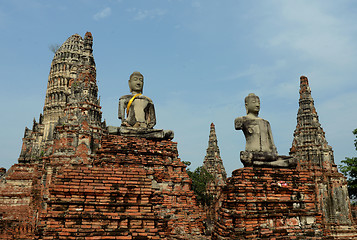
{"type": "Point", "coordinates": [137, 112]}
{"type": "Point", "coordinates": [260, 149]}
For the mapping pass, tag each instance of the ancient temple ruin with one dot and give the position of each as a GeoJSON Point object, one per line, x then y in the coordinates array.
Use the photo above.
{"type": "Point", "coordinates": [76, 178]}
{"type": "Point", "coordinates": [307, 201]}
{"type": "Point", "coordinates": [71, 82]}
{"type": "Point", "coordinates": [315, 155]}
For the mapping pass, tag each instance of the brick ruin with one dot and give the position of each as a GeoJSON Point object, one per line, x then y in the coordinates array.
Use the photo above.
{"type": "Point", "coordinates": [308, 202]}
{"type": "Point", "coordinates": [315, 155]}
{"type": "Point", "coordinates": [132, 189]}
{"type": "Point", "coordinates": [71, 82]}
{"type": "Point", "coordinates": [74, 180]}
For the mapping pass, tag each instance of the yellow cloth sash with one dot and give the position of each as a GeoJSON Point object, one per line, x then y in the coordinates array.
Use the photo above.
{"type": "Point", "coordinates": [130, 102]}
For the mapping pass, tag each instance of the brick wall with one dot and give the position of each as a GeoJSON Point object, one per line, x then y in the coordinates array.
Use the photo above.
{"type": "Point", "coordinates": [135, 189]}
{"type": "Point", "coordinates": [20, 192]}
{"type": "Point", "coordinates": [267, 203]}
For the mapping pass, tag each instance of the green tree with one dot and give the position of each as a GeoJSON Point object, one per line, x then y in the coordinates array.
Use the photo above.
{"type": "Point", "coordinates": [349, 169]}
{"type": "Point", "coordinates": [200, 178]}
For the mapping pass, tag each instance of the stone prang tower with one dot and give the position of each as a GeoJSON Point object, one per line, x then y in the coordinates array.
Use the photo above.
{"type": "Point", "coordinates": [71, 84]}
{"type": "Point", "coordinates": [309, 143]}
{"type": "Point", "coordinates": [314, 154]}
{"type": "Point", "coordinates": [213, 163]}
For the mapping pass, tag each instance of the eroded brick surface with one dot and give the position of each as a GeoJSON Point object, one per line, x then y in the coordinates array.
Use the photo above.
{"type": "Point", "coordinates": [269, 204]}
{"type": "Point", "coordinates": [74, 181]}
{"type": "Point", "coordinates": [20, 195]}
{"type": "Point", "coordinates": [135, 189]}
{"type": "Point", "coordinates": [309, 202]}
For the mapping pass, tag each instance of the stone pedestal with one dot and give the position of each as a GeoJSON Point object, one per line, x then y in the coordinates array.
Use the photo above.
{"type": "Point", "coordinates": [135, 188]}
{"type": "Point", "coordinates": [267, 203]}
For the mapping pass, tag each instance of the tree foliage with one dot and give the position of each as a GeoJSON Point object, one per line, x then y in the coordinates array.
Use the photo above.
{"type": "Point", "coordinates": [349, 169]}
{"type": "Point", "coordinates": [200, 178]}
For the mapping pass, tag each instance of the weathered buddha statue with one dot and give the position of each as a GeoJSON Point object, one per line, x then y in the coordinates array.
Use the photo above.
{"type": "Point", "coordinates": [260, 149]}
{"type": "Point", "coordinates": [137, 112]}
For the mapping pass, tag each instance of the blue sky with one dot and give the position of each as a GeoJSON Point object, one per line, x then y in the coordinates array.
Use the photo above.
{"type": "Point", "coordinates": [199, 58]}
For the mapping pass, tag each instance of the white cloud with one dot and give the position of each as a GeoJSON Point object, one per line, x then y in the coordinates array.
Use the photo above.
{"type": "Point", "coordinates": [106, 12]}
{"type": "Point", "coordinates": [313, 30]}
{"type": "Point", "coordinates": [142, 14]}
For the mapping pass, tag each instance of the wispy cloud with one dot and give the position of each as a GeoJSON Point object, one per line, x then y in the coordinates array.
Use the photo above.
{"type": "Point", "coordinates": [142, 14]}
{"type": "Point", "coordinates": [106, 12]}
{"type": "Point", "coordinates": [313, 29]}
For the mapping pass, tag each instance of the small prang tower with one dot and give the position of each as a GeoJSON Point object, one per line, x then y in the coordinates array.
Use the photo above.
{"type": "Point", "coordinates": [214, 165]}
{"type": "Point", "coordinates": [213, 162]}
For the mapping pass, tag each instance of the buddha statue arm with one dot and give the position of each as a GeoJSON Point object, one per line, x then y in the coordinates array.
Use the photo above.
{"type": "Point", "coordinates": [238, 123]}
{"type": "Point", "coordinates": [121, 108]}
{"type": "Point", "coordinates": [151, 117]}
{"type": "Point", "coordinates": [270, 135]}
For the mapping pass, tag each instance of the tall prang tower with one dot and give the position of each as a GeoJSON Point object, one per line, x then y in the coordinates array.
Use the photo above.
{"type": "Point", "coordinates": [72, 76]}
{"type": "Point", "coordinates": [309, 143]}
{"type": "Point", "coordinates": [73, 53]}
{"type": "Point", "coordinates": [213, 162]}
{"type": "Point", "coordinates": [214, 165]}
{"type": "Point", "coordinates": [313, 153]}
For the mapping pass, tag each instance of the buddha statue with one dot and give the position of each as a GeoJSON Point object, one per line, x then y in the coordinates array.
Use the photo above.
{"type": "Point", "coordinates": [137, 112]}
{"type": "Point", "coordinates": [260, 149]}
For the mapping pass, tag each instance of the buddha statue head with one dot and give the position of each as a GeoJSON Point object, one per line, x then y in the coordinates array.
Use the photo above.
{"type": "Point", "coordinates": [252, 104]}
{"type": "Point", "coordinates": [136, 83]}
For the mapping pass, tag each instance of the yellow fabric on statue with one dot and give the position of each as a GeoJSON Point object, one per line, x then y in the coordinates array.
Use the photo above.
{"type": "Point", "coordinates": [130, 102]}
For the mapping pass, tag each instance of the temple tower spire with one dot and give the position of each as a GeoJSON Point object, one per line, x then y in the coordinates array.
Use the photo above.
{"type": "Point", "coordinates": [71, 97]}
{"type": "Point", "coordinates": [309, 144]}
{"type": "Point", "coordinates": [74, 52]}
{"type": "Point", "coordinates": [314, 154]}
{"type": "Point", "coordinates": [213, 162]}
{"type": "Point", "coordinates": [214, 165]}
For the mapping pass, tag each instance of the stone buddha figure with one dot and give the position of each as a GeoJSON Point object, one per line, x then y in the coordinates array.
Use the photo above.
{"type": "Point", "coordinates": [260, 149]}
{"type": "Point", "coordinates": [137, 112]}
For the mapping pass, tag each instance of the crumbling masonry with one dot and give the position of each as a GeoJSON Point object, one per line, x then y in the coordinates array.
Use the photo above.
{"type": "Point", "coordinates": [74, 181]}
{"type": "Point", "coordinates": [306, 202]}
